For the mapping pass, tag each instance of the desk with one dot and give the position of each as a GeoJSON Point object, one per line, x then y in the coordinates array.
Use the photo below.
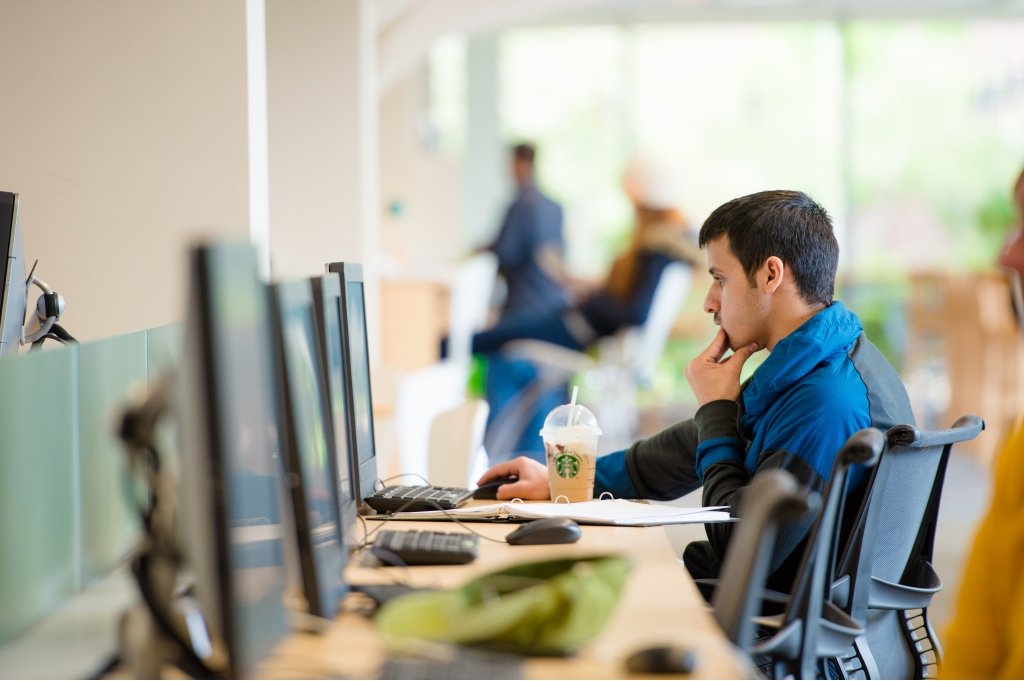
{"type": "Point", "coordinates": [659, 604]}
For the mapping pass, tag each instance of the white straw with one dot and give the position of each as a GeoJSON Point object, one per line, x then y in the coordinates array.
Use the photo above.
{"type": "Point", "coordinates": [575, 414]}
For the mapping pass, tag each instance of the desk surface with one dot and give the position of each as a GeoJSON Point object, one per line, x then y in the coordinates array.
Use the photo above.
{"type": "Point", "coordinates": [660, 604]}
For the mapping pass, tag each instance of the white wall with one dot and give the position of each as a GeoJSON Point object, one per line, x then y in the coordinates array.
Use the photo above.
{"type": "Point", "coordinates": [425, 183]}
{"type": "Point", "coordinates": [322, 112]}
{"type": "Point", "coordinates": [123, 125]}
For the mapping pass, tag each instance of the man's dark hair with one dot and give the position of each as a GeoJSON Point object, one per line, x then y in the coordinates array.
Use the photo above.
{"type": "Point", "coordinates": [787, 224]}
{"type": "Point", "coordinates": [524, 152]}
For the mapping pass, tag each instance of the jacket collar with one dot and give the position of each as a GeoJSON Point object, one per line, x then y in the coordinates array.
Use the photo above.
{"type": "Point", "coordinates": [830, 332]}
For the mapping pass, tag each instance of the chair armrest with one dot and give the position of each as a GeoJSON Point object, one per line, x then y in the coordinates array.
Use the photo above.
{"type": "Point", "coordinates": [552, 360]}
{"type": "Point", "coordinates": [924, 584]}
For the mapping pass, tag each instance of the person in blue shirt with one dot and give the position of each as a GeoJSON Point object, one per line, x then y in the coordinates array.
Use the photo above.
{"type": "Point", "coordinates": [530, 244]}
{"type": "Point", "coordinates": [772, 258]}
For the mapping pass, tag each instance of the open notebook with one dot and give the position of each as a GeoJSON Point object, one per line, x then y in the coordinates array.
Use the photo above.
{"type": "Point", "coordinates": [598, 512]}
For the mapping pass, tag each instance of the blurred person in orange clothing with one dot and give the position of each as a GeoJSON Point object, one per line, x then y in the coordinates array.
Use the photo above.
{"type": "Point", "coordinates": [986, 637]}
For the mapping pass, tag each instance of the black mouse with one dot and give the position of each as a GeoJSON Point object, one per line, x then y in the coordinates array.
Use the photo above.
{"type": "Point", "coordinates": [489, 490]}
{"type": "Point", "coordinates": [546, 531]}
{"type": "Point", "coordinates": [666, 659]}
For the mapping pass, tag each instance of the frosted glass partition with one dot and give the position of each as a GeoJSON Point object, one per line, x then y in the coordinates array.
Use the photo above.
{"type": "Point", "coordinates": [65, 518]}
{"type": "Point", "coordinates": [38, 490]}
{"type": "Point", "coordinates": [163, 348]}
{"type": "Point", "coordinates": [164, 354]}
{"type": "Point", "coordinates": [108, 368]}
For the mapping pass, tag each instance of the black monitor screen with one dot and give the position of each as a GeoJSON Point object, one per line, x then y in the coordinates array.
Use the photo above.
{"type": "Point", "coordinates": [231, 468]}
{"type": "Point", "coordinates": [360, 362]}
{"type": "Point", "coordinates": [12, 276]}
{"type": "Point", "coordinates": [357, 363]}
{"type": "Point", "coordinates": [313, 450]}
{"type": "Point", "coordinates": [327, 292]}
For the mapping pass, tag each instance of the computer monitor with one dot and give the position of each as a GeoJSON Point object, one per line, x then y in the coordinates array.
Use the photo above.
{"type": "Point", "coordinates": [233, 520]}
{"type": "Point", "coordinates": [308, 449]}
{"type": "Point", "coordinates": [357, 361]}
{"type": "Point", "coordinates": [327, 303]}
{"type": "Point", "coordinates": [12, 276]}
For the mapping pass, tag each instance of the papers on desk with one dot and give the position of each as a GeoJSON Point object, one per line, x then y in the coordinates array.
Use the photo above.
{"type": "Point", "coordinates": [603, 512]}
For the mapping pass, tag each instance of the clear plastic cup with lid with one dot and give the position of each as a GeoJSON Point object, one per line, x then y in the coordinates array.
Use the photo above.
{"type": "Point", "coordinates": [570, 436]}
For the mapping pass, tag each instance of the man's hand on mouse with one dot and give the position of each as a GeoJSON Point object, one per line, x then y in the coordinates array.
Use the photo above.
{"type": "Point", "coordinates": [533, 479]}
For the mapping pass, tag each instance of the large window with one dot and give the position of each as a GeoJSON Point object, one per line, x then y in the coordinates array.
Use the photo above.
{"type": "Point", "coordinates": [910, 134]}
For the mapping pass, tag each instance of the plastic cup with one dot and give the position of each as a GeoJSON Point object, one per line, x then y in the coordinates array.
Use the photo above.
{"type": "Point", "coordinates": [570, 435]}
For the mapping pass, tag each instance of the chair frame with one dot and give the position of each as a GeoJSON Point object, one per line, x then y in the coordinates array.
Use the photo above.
{"type": "Point", "coordinates": [773, 498]}
{"type": "Point", "coordinates": [811, 628]}
{"type": "Point", "coordinates": [865, 586]}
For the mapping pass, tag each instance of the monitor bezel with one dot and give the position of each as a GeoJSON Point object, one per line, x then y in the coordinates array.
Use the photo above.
{"type": "Point", "coordinates": [365, 473]}
{"type": "Point", "coordinates": [327, 291]}
{"type": "Point", "coordinates": [13, 294]}
{"type": "Point", "coordinates": [285, 298]}
{"type": "Point", "coordinates": [207, 482]}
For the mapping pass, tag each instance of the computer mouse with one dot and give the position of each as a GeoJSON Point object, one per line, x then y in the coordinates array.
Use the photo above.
{"type": "Point", "coordinates": [662, 659]}
{"type": "Point", "coordinates": [546, 531]}
{"type": "Point", "coordinates": [489, 490]}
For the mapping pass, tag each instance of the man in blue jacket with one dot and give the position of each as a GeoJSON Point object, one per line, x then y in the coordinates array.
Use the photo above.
{"type": "Point", "coordinates": [772, 257]}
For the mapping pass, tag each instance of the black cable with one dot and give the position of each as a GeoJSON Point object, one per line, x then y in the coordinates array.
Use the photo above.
{"type": "Point", "coordinates": [190, 663]}
{"type": "Point", "coordinates": [383, 481]}
{"type": "Point", "coordinates": [104, 670]}
{"type": "Point", "coordinates": [61, 334]}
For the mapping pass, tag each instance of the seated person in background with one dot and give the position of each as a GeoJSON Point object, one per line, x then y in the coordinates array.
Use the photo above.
{"type": "Point", "coordinates": [660, 236]}
{"type": "Point", "coordinates": [530, 244]}
{"type": "Point", "coordinates": [985, 639]}
{"type": "Point", "coordinates": [772, 257]}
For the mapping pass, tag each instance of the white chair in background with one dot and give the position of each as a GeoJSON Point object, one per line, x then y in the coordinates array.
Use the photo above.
{"type": "Point", "coordinates": [456, 454]}
{"type": "Point", "coordinates": [472, 287]}
{"type": "Point", "coordinates": [625, 362]}
{"type": "Point", "coordinates": [421, 396]}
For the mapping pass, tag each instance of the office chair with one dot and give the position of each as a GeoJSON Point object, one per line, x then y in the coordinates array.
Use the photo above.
{"type": "Point", "coordinates": [422, 396]}
{"type": "Point", "coordinates": [811, 627]}
{"type": "Point", "coordinates": [623, 363]}
{"type": "Point", "coordinates": [773, 498]}
{"type": "Point", "coordinates": [456, 456]}
{"type": "Point", "coordinates": [886, 579]}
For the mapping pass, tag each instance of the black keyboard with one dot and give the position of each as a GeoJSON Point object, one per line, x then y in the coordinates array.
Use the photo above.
{"type": "Point", "coordinates": [415, 547]}
{"type": "Point", "coordinates": [418, 498]}
{"type": "Point", "coordinates": [460, 664]}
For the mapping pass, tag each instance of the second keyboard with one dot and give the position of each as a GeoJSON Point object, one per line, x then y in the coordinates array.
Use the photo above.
{"type": "Point", "coordinates": [416, 547]}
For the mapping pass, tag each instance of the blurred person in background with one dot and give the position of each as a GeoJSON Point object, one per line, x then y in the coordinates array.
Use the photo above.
{"type": "Point", "coordinates": [660, 236]}
{"type": "Point", "coordinates": [530, 244]}
{"type": "Point", "coordinates": [985, 639]}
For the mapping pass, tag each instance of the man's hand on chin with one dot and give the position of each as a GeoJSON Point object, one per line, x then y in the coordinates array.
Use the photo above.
{"type": "Point", "coordinates": [713, 378]}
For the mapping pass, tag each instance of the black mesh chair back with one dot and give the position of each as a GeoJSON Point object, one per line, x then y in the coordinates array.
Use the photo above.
{"type": "Point", "coordinates": [886, 580]}
{"type": "Point", "coordinates": [773, 497]}
{"type": "Point", "coordinates": [811, 628]}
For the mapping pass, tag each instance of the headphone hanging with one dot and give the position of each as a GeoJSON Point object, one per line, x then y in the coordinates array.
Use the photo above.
{"type": "Point", "coordinates": [49, 308]}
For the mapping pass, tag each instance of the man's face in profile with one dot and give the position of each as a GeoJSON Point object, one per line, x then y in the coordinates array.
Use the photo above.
{"type": "Point", "coordinates": [739, 308]}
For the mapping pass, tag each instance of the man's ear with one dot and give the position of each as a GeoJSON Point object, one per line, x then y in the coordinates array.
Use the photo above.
{"type": "Point", "coordinates": [774, 273]}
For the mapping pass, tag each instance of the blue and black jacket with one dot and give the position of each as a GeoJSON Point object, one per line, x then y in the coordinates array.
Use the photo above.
{"type": "Point", "coordinates": [818, 386]}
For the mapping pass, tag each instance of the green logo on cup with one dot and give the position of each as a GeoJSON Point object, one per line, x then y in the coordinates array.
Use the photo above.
{"type": "Point", "coordinates": [568, 465]}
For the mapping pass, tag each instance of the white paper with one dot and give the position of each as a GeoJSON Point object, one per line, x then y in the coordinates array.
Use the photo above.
{"type": "Point", "coordinates": [598, 512]}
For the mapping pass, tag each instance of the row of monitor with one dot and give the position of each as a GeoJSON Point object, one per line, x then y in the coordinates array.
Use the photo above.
{"type": "Point", "coordinates": [276, 433]}
{"type": "Point", "coordinates": [274, 389]}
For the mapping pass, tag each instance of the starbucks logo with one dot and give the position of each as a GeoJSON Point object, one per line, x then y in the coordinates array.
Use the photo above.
{"type": "Point", "coordinates": [568, 465]}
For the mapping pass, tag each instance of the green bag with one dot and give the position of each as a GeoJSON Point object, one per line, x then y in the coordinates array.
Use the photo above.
{"type": "Point", "coordinates": [544, 608]}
